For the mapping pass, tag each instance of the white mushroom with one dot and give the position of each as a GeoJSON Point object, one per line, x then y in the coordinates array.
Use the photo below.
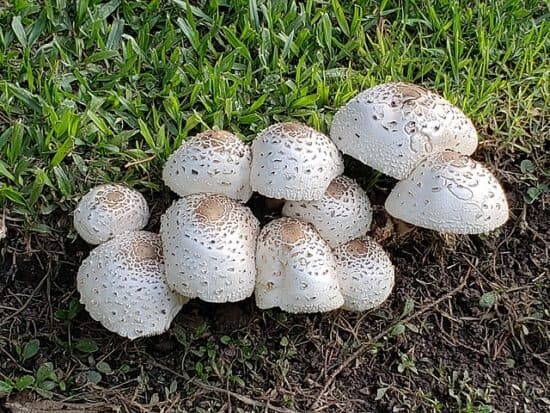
{"type": "Point", "coordinates": [209, 245]}
{"type": "Point", "coordinates": [342, 214]}
{"type": "Point", "coordinates": [212, 161]}
{"type": "Point", "coordinates": [293, 161]}
{"type": "Point", "coordinates": [122, 285]}
{"type": "Point", "coordinates": [365, 274]}
{"type": "Point", "coordinates": [393, 127]}
{"type": "Point", "coordinates": [296, 269]}
{"type": "Point", "coordinates": [450, 193]}
{"type": "Point", "coordinates": [109, 210]}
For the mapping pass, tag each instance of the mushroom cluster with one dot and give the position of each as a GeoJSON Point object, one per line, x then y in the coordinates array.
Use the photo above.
{"type": "Point", "coordinates": [317, 256]}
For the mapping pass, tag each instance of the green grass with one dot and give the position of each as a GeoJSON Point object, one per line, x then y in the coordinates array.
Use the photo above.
{"type": "Point", "coordinates": [87, 87]}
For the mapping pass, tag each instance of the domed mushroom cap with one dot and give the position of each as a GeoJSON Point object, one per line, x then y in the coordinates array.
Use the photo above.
{"type": "Point", "coordinates": [342, 214]}
{"type": "Point", "coordinates": [365, 274]}
{"type": "Point", "coordinates": [109, 210]}
{"type": "Point", "coordinates": [394, 126]}
{"type": "Point", "coordinates": [296, 269]}
{"type": "Point", "coordinates": [293, 161]}
{"type": "Point", "coordinates": [209, 245]}
{"type": "Point", "coordinates": [122, 285]}
{"type": "Point", "coordinates": [212, 161]}
{"type": "Point", "coordinates": [450, 193]}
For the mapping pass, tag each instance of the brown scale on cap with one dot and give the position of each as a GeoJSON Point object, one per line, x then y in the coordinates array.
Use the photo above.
{"type": "Point", "coordinates": [292, 127]}
{"type": "Point", "coordinates": [336, 189]}
{"type": "Point", "coordinates": [292, 232]}
{"type": "Point", "coordinates": [113, 198]}
{"type": "Point", "coordinates": [219, 141]}
{"type": "Point", "coordinates": [211, 209]}
{"type": "Point", "coordinates": [357, 247]}
{"type": "Point", "coordinates": [145, 250]}
{"type": "Point", "coordinates": [410, 91]}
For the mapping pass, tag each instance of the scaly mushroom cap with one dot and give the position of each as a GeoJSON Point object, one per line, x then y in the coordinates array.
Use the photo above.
{"type": "Point", "coordinates": [296, 269]}
{"type": "Point", "coordinates": [342, 214]}
{"type": "Point", "coordinates": [122, 285]}
{"type": "Point", "coordinates": [212, 161]}
{"type": "Point", "coordinates": [209, 243]}
{"type": "Point", "coordinates": [293, 161]}
{"type": "Point", "coordinates": [395, 126]}
{"type": "Point", "coordinates": [109, 210]}
{"type": "Point", "coordinates": [450, 193]}
{"type": "Point", "coordinates": [365, 274]}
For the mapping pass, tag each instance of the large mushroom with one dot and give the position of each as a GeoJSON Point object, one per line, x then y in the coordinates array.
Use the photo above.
{"type": "Point", "coordinates": [394, 126]}
{"type": "Point", "coordinates": [109, 210]}
{"type": "Point", "coordinates": [293, 161]}
{"type": "Point", "coordinates": [209, 246]}
{"type": "Point", "coordinates": [365, 274]}
{"type": "Point", "coordinates": [215, 161]}
{"type": "Point", "coordinates": [342, 214]}
{"type": "Point", "coordinates": [122, 285]}
{"type": "Point", "coordinates": [451, 193]}
{"type": "Point", "coordinates": [296, 269]}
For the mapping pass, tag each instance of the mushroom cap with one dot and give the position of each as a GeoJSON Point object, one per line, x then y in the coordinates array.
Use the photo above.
{"type": "Point", "coordinates": [342, 214]}
{"type": "Point", "coordinates": [450, 193]}
{"type": "Point", "coordinates": [394, 126]}
{"type": "Point", "coordinates": [122, 285]}
{"type": "Point", "coordinates": [209, 243]}
{"type": "Point", "coordinates": [293, 161]}
{"type": "Point", "coordinates": [109, 210]}
{"type": "Point", "coordinates": [365, 274]}
{"type": "Point", "coordinates": [296, 269]}
{"type": "Point", "coordinates": [214, 161]}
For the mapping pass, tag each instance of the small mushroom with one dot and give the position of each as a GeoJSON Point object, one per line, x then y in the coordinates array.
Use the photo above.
{"type": "Point", "coordinates": [293, 161]}
{"type": "Point", "coordinates": [214, 161]}
{"type": "Point", "coordinates": [109, 210]}
{"type": "Point", "coordinates": [122, 285]}
{"type": "Point", "coordinates": [450, 193]}
{"type": "Point", "coordinates": [342, 214]}
{"type": "Point", "coordinates": [209, 246]}
{"type": "Point", "coordinates": [394, 126]}
{"type": "Point", "coordinates": [296, 269]}
{"type": "Point", "coordinates": [365, 274]}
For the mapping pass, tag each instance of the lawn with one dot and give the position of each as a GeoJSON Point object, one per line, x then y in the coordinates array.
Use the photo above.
{"type": "Point", "coordinates": [94, 92]}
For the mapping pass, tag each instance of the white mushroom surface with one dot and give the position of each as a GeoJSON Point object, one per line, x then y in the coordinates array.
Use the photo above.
{"type": "Point", "coordinates": [365, 274]}
{"type": "Point", "coordinates": [342, 214]}
{"type": "Point", "coordinates": [209, 245]}
{"type": "Point", "coordinates": [109, 210]}
{"type": "Point", "coordinates": [394, 126]}
{"type": "Point", "coordinates": [293, 161]}
{"type": "Point", "coordinates": [296, 269]}
{"type": "Point", "coordinates": [122, 285]}
{"type": "Point", "coordinates": [450, 193]}
{"type": "Point", "coordinates": [214, 161]}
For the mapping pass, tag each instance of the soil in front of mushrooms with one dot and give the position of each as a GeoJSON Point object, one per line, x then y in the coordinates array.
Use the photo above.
{"type": "Point", "coordinates": [430, 347]}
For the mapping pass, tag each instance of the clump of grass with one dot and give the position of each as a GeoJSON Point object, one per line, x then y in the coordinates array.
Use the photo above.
{"type": "Point", "coordinates": [89, 87]}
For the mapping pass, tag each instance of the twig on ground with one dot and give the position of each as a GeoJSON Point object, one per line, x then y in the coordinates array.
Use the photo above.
{"type": "Point", "coordinates": [365, 347]}
{"type": "Point", "coordinates": [27, 303]}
